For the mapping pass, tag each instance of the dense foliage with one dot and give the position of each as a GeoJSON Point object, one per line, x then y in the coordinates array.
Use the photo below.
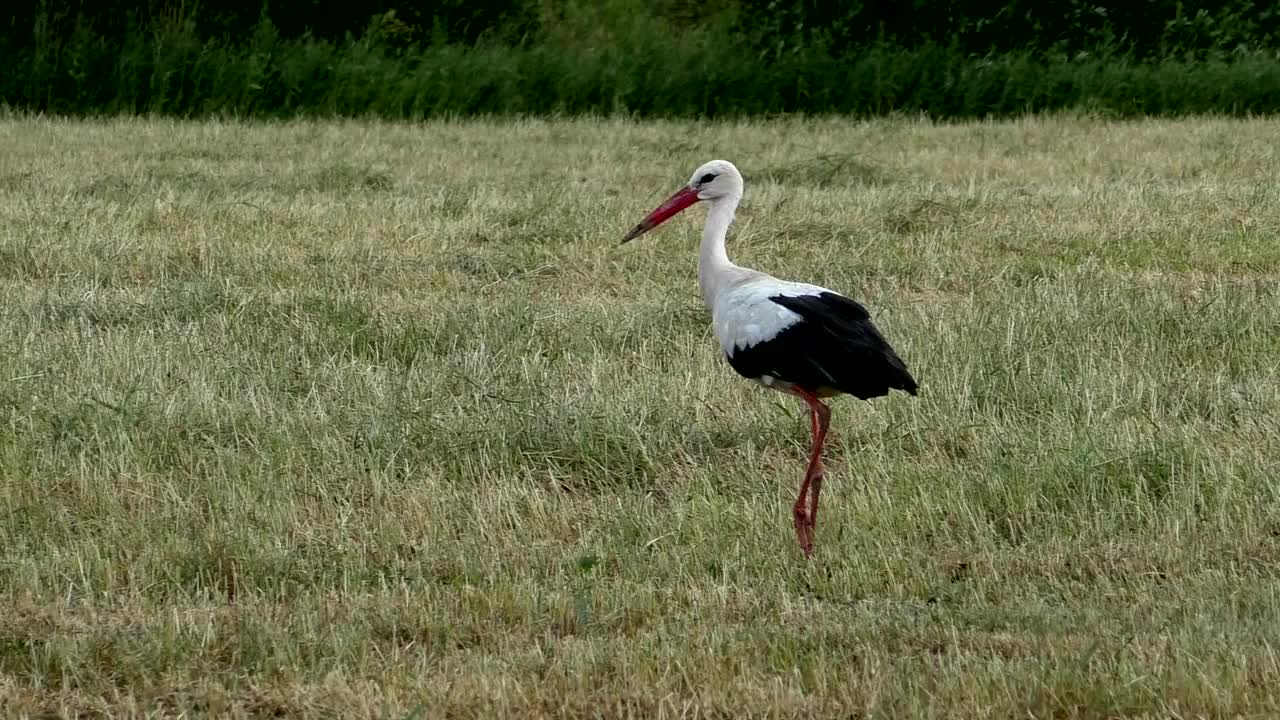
{"type": "Point", "coordinates": [670, 57]}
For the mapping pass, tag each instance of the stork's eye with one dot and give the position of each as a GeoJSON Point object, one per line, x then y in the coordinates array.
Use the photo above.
{"type": "Point", "coordinates": [706, 178]}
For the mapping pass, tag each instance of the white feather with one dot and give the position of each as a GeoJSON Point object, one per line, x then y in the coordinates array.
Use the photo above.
{"type": "Point", "coordinates": [744, 316]}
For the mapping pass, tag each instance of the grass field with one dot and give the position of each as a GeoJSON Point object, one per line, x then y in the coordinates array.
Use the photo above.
{"type": "Point", "coordinates": [377, 420]}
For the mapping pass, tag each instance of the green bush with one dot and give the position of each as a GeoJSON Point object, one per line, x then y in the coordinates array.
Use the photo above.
{"type": "Point", "coordinates": [673, 58]}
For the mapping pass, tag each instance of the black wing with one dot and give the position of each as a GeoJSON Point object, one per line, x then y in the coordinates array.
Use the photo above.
{"type": "Point", "coordinates": [835, 346]}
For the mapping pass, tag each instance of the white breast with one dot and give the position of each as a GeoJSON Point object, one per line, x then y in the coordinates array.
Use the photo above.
{"type": "Point", "coordinates": [744, 316]}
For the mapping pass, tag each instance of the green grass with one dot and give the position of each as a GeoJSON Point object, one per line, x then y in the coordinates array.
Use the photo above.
{"type": "Point", "coordinates": [377, 420]}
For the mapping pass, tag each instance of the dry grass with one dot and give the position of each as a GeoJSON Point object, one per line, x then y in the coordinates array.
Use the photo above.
{"type": "Point", "coordinates": [364, 420]}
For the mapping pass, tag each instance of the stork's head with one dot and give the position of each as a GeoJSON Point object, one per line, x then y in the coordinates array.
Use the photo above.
{"type": "Point", "coordinates": [711, 181]}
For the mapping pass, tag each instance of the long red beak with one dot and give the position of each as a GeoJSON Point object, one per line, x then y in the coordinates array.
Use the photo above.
{"type": "Point", "coordinates": [683, 198]}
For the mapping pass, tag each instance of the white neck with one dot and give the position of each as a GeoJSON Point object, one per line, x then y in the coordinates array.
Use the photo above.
{"type": "Point", "coordinates": [714, 268]}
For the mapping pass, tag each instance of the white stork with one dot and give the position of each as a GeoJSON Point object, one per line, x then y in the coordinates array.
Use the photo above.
{"type": "Point", "coordinates": [800, 339]}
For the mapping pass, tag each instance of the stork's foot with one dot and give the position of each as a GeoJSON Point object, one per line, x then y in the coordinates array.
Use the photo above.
{"type": "Point", "coordinates": [804, 529]}
{"type": "Point", "coordinates": [806, 518]}
{"type": "Point", "coordinates": [815, 487]}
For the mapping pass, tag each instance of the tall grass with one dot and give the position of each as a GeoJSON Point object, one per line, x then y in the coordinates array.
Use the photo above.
{"type": "Point", "coordinates": [640, 68]}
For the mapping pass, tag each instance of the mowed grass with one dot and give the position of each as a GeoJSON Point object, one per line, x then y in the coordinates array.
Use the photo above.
{"type": "Point", "coordinates": [377, 420]}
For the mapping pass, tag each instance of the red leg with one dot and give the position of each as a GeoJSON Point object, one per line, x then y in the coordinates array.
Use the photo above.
{"type": "Point", "coordinates": [804, 533]}
{"type": "Point", "coordinates": [816, 469]}
{"type": "Point", "coordinates": [806, 518]}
